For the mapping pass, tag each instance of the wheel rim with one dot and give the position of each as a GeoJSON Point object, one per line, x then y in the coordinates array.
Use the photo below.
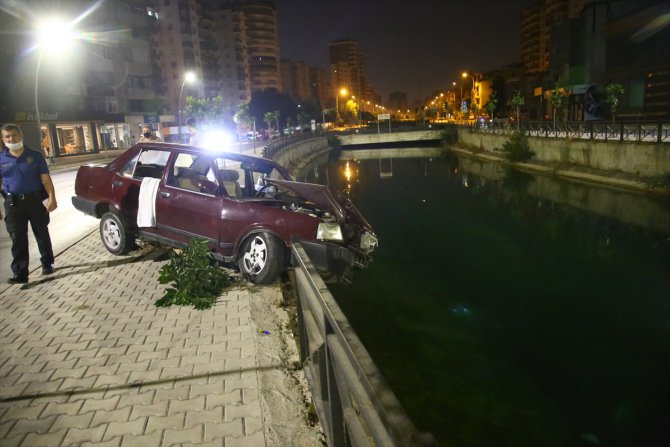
{"type": "Point", "coordinates": [111, 234]}
{"type": "Point", "coordinates": [255, 257]}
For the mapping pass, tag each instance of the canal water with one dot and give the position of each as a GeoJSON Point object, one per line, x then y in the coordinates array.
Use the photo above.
{"type": "Point", "coordinates": [506, 309]}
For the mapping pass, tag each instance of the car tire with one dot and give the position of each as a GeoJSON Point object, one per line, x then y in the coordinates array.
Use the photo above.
{"type": "Point", "coordinates": [261, 259]}
{"type": "Point", "coordinates": [114, 235]}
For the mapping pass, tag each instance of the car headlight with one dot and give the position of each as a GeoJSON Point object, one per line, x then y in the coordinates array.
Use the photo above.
{"type": "Point", "coordinates": [369, 242]}
{"type": "Point", "coordinates": [329, 232]}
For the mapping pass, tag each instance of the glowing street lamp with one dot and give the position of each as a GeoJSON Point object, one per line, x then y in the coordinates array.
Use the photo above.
{"type": "Point", "coordinates": [344, 92]}
{"type": "Point", "coordinates": [189, 77]}
{"type": "Point", "coordinates": [53, 34]}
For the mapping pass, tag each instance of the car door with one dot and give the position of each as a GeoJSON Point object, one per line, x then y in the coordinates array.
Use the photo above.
{"type": "Point", "coordinates": [126, 182]}
{"type": "Point", "coordinates": [188, 202]}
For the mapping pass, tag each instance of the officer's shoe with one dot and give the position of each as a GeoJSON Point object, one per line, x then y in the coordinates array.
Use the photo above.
{"type": "Point", "coordinates": [47, 269]}
{"type": "Point", "coordinates": [18, 280]}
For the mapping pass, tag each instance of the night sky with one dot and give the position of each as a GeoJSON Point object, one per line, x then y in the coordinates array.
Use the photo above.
{"type": "Point", "coordinates": [415, 47]}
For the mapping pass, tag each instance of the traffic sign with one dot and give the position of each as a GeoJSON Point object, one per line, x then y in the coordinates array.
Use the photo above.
{"type": "Point", "coordinates": [464, 106]}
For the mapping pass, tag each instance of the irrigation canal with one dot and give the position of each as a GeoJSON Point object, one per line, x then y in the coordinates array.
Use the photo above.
{"type": "Point", "coordinates": [506, 309]}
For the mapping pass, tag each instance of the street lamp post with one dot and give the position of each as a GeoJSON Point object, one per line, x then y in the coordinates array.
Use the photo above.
{"type": "Point", "coordinates": [54, 34]}
{"type": "Point", "coordinates": [472, 92]}
{"type": "Point", "coordinates": [343, 91]}
{"type": "Point", "coordinates": [189, 77]}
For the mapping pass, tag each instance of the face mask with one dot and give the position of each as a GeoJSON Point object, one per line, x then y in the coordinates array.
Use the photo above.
{"type": "Point", "coordinates": [146, 134]}
{"type": "Point", "coordinates": [14, 146]}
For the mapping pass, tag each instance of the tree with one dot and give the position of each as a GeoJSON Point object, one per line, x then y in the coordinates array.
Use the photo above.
{"type": "Point", "coordinates": [557, 99]}
{"type": "Point", "coordinates": [613, 92]}
{"type": "Point", "coordinates": [516, 102]}
{"type": "Point", "coordinates": [492, 103]}
{"type": "Point", "coordinates": [268, 117]}
{"type": "Point", "coordinates": [209, 112]}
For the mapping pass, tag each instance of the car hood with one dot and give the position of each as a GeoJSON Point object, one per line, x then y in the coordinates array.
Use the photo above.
{"type": "Point", "coordinates": [336, 203]}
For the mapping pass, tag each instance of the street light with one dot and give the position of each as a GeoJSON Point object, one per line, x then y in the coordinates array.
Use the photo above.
{"type": "Point", "coordinates": [189, 77]}
{"type": "Point", "coordinates": [343, 91]}
{"type": "Point", "coordinates": [472, 92]}
{"type": "Point", "coordinates": [52, 34]}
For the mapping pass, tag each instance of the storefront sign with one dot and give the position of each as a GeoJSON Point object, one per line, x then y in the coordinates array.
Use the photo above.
{"type": "Point", "coordinates": [151, 119]}
{"type": "Point", "coordinates": [30, 116]}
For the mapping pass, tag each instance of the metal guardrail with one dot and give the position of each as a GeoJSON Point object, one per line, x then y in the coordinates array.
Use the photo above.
{"type": "Point", "coordinates": [651, 132]}
{"type": "Point", "coordinates": [278, 145]}
{"type": "Point", "coordinates": [355, 405]}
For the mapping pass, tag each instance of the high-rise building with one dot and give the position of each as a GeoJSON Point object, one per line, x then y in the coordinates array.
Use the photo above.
{"type": "Point", "coordinates": [295, 77]}
{"type": "Point", "coordinates": [347, 68]}
{"type": "Point", "coordinates": [537, 23]}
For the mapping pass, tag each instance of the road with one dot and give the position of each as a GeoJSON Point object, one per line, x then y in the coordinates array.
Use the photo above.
{"type": "Point", "coordinates": [66, 228]}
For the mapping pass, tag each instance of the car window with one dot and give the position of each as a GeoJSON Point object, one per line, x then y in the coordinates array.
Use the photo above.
{"type": "Point", "coordinates": [150, 163]}
{"type": "Point", "coordinates": [193, 173]}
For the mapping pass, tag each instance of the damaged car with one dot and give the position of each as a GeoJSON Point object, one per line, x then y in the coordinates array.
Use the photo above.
{"type": "Point", "coordinates": [247, 208]}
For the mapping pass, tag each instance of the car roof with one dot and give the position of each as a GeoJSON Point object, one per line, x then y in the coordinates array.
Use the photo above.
{"type": "Point", "coordinates": [204, 151]}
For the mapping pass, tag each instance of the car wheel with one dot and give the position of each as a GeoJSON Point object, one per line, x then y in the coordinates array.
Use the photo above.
{"type": "Point", "coordinates": [262, 258]}
{"type": "Point", "coordinates": [114, 235]}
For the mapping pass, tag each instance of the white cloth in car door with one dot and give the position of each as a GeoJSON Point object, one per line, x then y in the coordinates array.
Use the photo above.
{"type": "Point", "coordinates": [146, 204]}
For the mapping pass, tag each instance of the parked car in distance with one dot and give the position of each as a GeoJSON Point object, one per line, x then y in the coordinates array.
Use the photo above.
{"type": "Point", "coordinates": [248, 209]}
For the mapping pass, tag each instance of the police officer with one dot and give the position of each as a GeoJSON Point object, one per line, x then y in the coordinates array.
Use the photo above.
{"type": "Point", "coordinates": [26, 183]}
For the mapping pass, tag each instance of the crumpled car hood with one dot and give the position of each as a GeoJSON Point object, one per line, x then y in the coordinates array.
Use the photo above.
{"type": "Point", "coordinates": [336, 203]}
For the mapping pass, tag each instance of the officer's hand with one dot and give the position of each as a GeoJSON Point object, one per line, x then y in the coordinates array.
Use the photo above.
{"type": "Point", "coordinates": [51, 204]}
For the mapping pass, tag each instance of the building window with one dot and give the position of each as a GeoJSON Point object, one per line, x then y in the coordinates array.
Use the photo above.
{"type": "Point", "coordinates": [74, 138]}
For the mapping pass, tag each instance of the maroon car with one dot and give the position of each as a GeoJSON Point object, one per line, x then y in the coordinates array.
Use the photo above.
{"type": "Point", "coordinates": [247, 208]}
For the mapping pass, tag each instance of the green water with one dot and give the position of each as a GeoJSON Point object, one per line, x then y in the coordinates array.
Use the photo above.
{"type": "Point", "coordinates": [504, 319]}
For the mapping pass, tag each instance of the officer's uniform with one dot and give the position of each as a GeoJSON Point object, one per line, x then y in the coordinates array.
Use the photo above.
{"type": "Point", "coordinates": [24, 192]}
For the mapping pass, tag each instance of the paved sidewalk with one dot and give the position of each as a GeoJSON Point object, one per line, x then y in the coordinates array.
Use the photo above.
{"type": "Point", "coordinates": [87, 359]}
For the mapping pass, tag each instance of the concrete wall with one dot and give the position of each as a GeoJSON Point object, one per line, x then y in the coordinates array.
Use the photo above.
{"type": "Point", "coordinates": [297, 155]}
{"type": "Point", "coordinates": [645, 159]}
{"type": "Point", "coordinates": [386, 137]}
{"type": "Point", "coordinates": [632, 208]}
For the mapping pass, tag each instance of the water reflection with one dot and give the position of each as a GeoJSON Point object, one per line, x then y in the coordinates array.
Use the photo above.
{"type": "Point", "coordinates": [505, 309]}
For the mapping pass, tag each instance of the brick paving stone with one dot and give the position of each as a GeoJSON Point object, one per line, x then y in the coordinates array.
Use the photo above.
{"type": "Point", "coordinates": [252, 409]}
{"type": "Point", "coordinates": [133, 427]}
{"type": "Point", "coordinates": [70, 408]}
{"type": "Point", "coordinates": [181, 406]}
{"type": "Point", "coordinates": [25, 426]}
{"type": "Point", "coordinates": [154, 439]}
{"type": "Point", "coordinates": [79, 421]}
{"type": "Point", "coordinates": [224, 430]}
{"type": "Point", "coordinates": [116, 442]}
{"type": "Point", "coordinates": [164, 422]}
{"type": "Point", "coordinates": [25, 412]}
{"type": "Point", "coordinates": [157, 409]}
{"type": "Point", "coordinates": [76, 436]}
{"type": "Point", "coordinates": [108, 417]}
{"type": "Point", "coordinates": [44, 440]}
{"type": "Point", "coordinates": [104, 404]}
{"type": "Point", "coordinates": [254, 440]}
{"type": "Point", "coordinates": [178, 436]}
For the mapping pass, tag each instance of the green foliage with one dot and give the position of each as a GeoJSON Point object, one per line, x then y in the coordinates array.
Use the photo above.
{"type": "Point", "coordinates": [195, 279]}
{"type": "Point", "coordinates": [516, 148]}
{"type": "Point", "coordinates": [557, 100]}
{"type": "Point", "coordinates": [613, 94]}
{"type": "Point", "coordinates": [517, 101]}
{"type": "Point", "coordinates": [207, 111]}
{"type": "Point", "coordinates": [492, 104]}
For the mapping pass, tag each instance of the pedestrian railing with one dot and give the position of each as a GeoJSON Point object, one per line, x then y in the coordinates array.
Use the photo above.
{"type": "Point", "coordinates": [355, 405]}
{"type": "Point", "coordinates": [651, 132]}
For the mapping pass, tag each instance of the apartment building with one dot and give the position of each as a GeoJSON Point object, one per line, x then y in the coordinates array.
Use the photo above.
{"type": "Point", "coordinates": [347, 68]}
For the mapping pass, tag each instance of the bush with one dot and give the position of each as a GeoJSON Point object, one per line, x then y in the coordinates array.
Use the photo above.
{"type": "Point", "coordinates": [517, 149]}
{"type": "Point", "coordinates": [196, 279]}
